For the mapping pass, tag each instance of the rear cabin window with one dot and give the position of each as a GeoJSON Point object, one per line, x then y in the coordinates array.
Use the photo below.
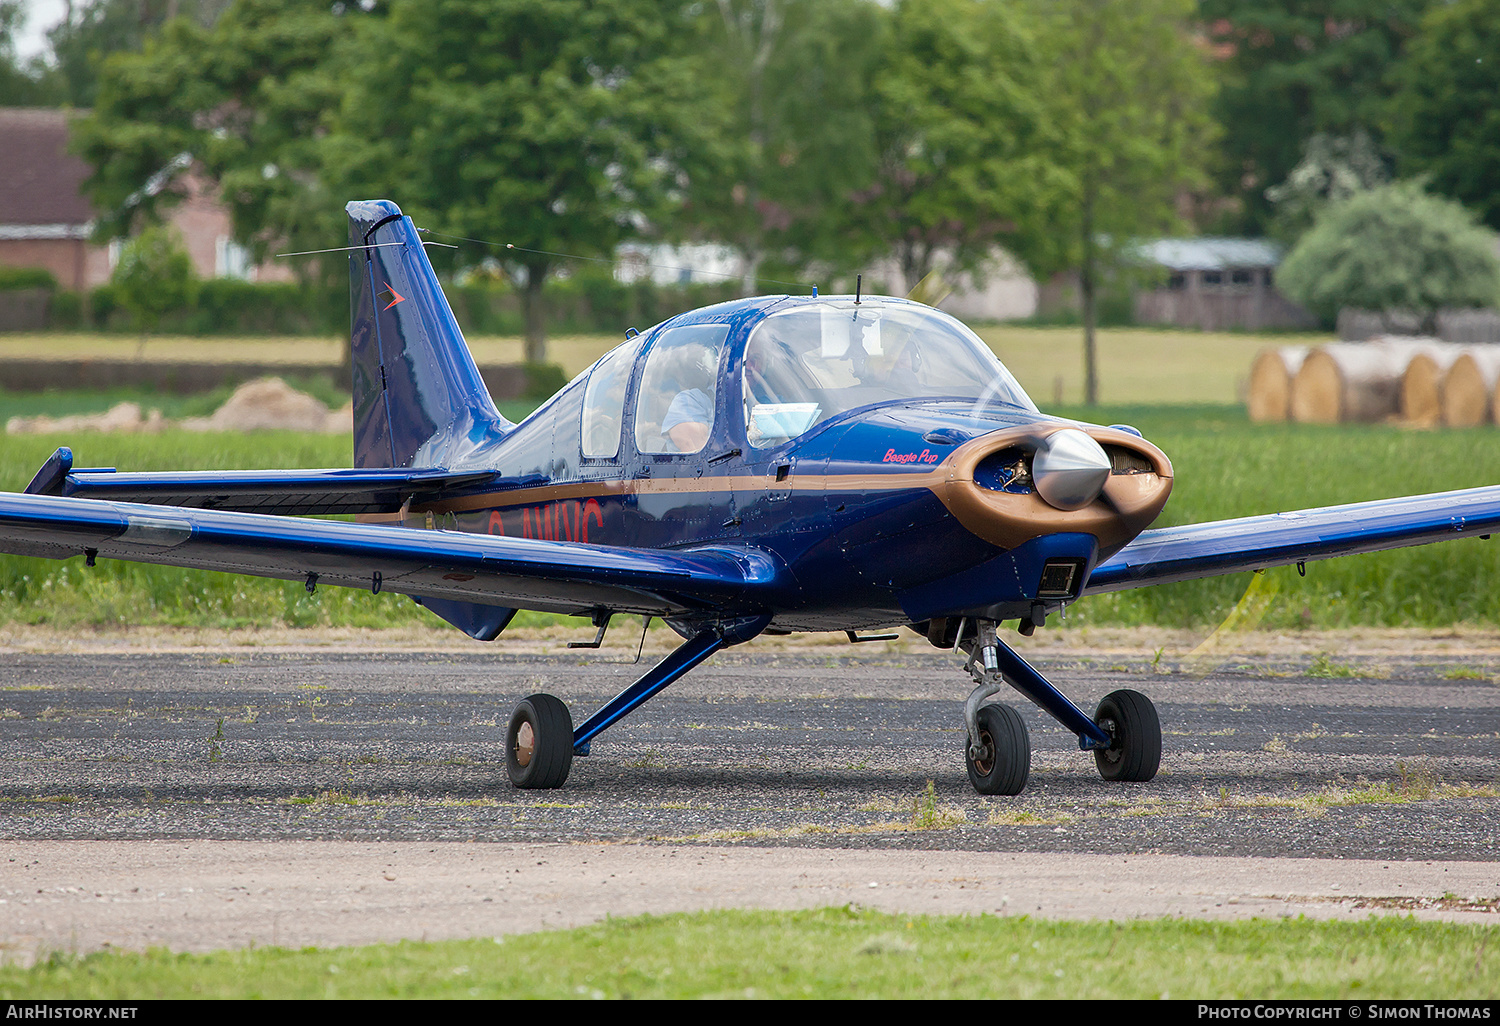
{"type": "Point", "coordinates": [675, 409]}
{"type": "Point", "coordinates": [604, 401]}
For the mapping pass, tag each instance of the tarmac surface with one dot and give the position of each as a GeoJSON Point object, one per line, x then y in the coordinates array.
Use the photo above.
{"type": "Point", "coordinates": [212, 792]}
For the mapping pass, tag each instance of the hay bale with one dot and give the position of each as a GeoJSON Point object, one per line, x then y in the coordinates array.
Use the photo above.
{"type": "Point", "coordinates": [1422, 383]}
{"type": "Point", "coordinates": [1271, 377]}
{"type": "Point", "coordinates": [1353, 382]}
{"type": "Point", "coordinates": [1469, 387]}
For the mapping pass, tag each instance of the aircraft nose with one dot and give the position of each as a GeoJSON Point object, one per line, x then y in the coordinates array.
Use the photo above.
{"type": "Point", "coordinates": [1070, 469]}
{"type": "Point", "coordinates": [1014, 484]}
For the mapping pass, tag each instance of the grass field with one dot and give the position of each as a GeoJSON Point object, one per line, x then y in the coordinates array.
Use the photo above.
{"type": "Point", "coordinates": [1225, 467]}
{"type": "Point", "coordinates": [828, 953]}
{"type": "Point", "coordinates": [1137, 365]}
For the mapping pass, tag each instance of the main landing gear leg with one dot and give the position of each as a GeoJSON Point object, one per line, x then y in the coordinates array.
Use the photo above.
{"type": "Point", "coordinates": [1124, 735]}
{"type": "Point", "coordinates": [541, 741]}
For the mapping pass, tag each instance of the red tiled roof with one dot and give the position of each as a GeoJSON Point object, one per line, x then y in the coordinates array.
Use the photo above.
{"type": "Point", "coordinates": [40, 181]}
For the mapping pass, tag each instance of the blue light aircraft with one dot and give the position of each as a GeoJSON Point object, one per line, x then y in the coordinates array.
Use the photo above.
{"type": "Point", "coordinates": [777, 464]}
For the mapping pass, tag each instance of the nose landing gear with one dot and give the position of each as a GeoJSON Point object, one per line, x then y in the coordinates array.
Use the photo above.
{"type": "Point", "coordinates": [1000, 758]}
{"type": "Point", "coordinates": [1124, 735]}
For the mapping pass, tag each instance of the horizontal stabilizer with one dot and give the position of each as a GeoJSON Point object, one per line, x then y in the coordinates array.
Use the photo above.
{"type": "Point", "coordinates": [1280, 539]}
{"type": "Point", "coordinates": [282, 492]}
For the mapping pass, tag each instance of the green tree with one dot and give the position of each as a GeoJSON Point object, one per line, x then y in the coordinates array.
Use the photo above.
{"type": "Point", "coordinates": [243, 101]}
{"type": "Point", "coordinates": [22, 84]}
{"type": "Point", "coordinates": [548, 126]}
{"type": "Point", "coordinates": [1332, 169]}
{"type": "Point", "coordinates": [1129, 93]}
{"type": "Point", "coordinates": [91, 30]}
{"type": "Point", "coordinates": [962, 161]}
{"type": "Point", "coordinates": [1445, 122]}
{"type": "Point", "coordinates": [788, 128]}
{"type": "Point", "coordinates": [153, 278]}
{"type": "Point", "coordinates": [1393, 249]}
{"type": "Point", "coordinates": [1291, 69]}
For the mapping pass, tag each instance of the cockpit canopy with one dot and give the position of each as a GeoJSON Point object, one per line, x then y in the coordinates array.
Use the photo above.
{"type": "Point", "coordinates": [801, 366]}
{"type": "Point", "coordinates": [816, 360]}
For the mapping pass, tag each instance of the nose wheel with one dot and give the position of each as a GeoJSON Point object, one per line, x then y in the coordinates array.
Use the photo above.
{"type": "Point", "coordinates": [539, 743]}
{"type": "Point", "coordinates": [1124, 734]}
{"type": "Point", "coordinates": [999, 758]}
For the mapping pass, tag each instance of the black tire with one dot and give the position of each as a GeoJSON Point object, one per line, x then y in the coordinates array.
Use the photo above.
{"type": "Point", "coordinates": [539, 743]}
{"type": "Point", "coordinates": [1008, 765]}
{"type": "Point", "coordinates": [1130, 719]}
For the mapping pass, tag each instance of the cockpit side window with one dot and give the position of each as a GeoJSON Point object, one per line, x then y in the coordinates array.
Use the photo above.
{"type": "Point", "coordinates": [675, 408]}
{"type": "Point", "coordinates": [604, 401]}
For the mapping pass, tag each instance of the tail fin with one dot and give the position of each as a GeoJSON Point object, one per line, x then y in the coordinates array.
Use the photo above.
{"type": "Point", "coordinates": [418, 397]}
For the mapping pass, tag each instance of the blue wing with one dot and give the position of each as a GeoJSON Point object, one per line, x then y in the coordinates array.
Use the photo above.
{"type": "Point", "coordinates": [450, 566]}
{"type": "Point", "coordinates": [1278, 539]}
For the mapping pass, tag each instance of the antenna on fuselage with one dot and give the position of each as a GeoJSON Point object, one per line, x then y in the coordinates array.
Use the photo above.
{"type": "Point", "coordinates": [859, 281]}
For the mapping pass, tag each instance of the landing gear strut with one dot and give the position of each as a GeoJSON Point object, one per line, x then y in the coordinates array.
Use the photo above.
{"type": "Point", "coordinates": [1124, 735]}
{"type": "Point", "coordinates": [541, 742]}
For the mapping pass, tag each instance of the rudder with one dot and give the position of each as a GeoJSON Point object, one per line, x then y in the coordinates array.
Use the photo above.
{"type": "Point", "coordinates": [418, 396]}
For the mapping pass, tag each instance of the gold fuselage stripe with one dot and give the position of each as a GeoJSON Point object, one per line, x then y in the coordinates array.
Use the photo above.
{"type": "Point", "coordinates": [1127, 505]}
{"type": "Point", "coordinates": [684, 485]}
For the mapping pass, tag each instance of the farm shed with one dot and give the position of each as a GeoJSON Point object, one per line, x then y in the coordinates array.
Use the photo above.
{"type": "Point", "coordinates": [1217, 284]}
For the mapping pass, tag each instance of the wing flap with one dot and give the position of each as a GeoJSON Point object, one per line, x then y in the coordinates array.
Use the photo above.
{"type": "Point", "coordinates": [1279, 539]}
{"type": "Point", "coordinates": [564, 577]}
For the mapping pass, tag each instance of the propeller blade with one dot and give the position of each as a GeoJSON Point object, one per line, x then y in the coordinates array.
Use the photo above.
{"type": "Point", "coordinates": [931, 290]}
{"type": "Point", "coordinates": [1221, 646]}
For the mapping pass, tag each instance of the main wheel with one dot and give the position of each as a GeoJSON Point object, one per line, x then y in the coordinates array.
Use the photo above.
{"type": "Point", "coordinates": [1003, 763]}
{"type": "Point", "coordinates": [539, 743]}
{"type": "Point", "coordinates": [1134, 752]}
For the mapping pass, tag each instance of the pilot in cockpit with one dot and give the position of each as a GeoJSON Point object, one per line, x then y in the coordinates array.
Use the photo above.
{"type": "Point", "coordinates": [686, 424]}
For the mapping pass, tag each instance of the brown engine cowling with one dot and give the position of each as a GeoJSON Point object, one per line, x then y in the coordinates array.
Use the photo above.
{"type": "Point", "coordinates": [995, 499]}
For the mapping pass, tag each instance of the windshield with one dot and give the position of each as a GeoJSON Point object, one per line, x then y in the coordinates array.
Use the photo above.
{"type": "Point", "coordinates": [817, 360]}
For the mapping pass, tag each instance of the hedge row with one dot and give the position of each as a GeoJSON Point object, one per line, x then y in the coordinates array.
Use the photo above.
{"type": "Point", "coordinates": [16, 278]}
{"type": "Point", "coordinates": [582, 304]}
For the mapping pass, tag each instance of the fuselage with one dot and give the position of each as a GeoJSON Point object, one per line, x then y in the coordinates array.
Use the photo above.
{"type": "Point", "coordinates": [888, 511]}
